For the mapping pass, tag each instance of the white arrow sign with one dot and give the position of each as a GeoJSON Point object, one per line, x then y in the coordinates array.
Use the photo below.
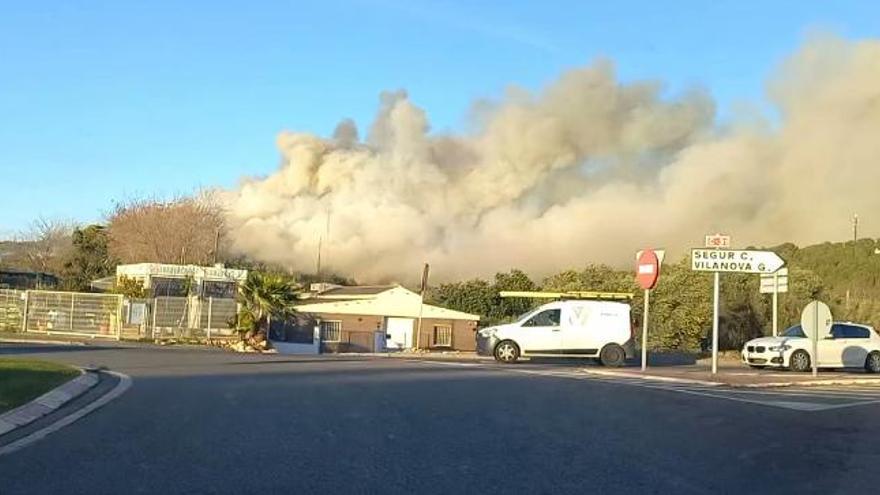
{"type": "Point", "coordinates": [737, 261]}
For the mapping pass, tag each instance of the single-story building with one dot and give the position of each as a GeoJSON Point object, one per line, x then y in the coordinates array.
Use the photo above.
{"type": "Point", "coordinates": [378, 318]}
{"type": "Point", "coordinates": [165, 280]}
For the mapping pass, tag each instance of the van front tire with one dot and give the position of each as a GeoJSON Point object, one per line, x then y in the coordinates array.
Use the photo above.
{"type": "Point", "coordinates": [612, 355]}
{"type": "Point", "coordinates": [506, 352]}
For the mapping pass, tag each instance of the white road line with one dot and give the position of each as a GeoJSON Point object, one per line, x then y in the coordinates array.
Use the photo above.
{"type": "Point", "coordinates": [794, 393]}
{"type": "Point", "coordinates": [119, 389]}
{"type": "Point", "coordinates": [714, 392]}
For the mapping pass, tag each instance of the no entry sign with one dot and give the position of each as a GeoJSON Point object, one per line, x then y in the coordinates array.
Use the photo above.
{"type": "Point", "coordinates": [647, 269]}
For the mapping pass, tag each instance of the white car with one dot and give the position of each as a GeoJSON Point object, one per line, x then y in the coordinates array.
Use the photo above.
{"type": "Point", "coordinates": [849, 345]}
{"type": "Point", "coordinates": [582, 328]}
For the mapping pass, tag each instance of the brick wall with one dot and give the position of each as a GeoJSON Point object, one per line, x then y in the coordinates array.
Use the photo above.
{"type": "Point", "coordinates": [462, 334]}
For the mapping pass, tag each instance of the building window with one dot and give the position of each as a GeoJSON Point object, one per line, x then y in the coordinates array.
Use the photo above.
{"type": "Point", "coordinates": [218, 290]}
{"type": "Point", "coordinates": [331, 331]}
{"type": "Point", "coordinates": [443, 335]}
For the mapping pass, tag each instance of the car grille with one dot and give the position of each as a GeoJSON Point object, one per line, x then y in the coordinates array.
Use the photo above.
{"type": "Point", "coordinates": [760, 348]}
{"type": "Point", "coordinates": [750, 348]}
{"type": "Point", "coordinates": [757, 360]}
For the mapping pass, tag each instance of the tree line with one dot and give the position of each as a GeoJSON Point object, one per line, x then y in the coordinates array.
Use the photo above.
{"type": "Point", "coordinates": [844, 275]}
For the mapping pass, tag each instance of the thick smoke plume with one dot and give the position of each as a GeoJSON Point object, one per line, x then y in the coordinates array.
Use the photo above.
{"type": "Point", "coordinates": [589, 170]}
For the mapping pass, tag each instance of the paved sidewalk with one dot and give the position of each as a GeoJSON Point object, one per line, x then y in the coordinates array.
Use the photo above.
{"type": "Point", "coordinates": [737, 375]}
{"type": "Point", "coordinates": [47, 403]}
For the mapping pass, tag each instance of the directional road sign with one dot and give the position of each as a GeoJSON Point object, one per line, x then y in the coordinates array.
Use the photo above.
{"type": "Point", "coordinates": [735, 261]}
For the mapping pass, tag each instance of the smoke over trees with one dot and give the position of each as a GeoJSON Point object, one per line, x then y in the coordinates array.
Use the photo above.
{"type": "Point", "coordinates": [588, 169]}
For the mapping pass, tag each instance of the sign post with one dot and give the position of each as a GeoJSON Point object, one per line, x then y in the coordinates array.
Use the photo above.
{"type": "Point", "coordinates": [816, 321]}
{"type": "Point", "coordinates": [774, 284]}
{"type": "Point", "coordinates": [714, 259]}
{"type": "Point", "coordinates": [647, 273]}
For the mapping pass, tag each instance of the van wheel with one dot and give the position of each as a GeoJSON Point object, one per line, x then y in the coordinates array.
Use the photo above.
{"type": "Point", "coordinates": [506, 351]}
{"type": "Point", "coordinates": [872, 363]}
{"type": "Point", "coordinates": [612, 355]}
{"type": "Point", "coordinates": [799, 361]}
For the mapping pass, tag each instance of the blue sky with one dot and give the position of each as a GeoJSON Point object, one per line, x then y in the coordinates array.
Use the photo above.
{"type": "Point", "coordinates": [102, 101]}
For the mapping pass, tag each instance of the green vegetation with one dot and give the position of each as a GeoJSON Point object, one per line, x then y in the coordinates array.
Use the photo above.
{"type": "Point", "coordinates": [22, 380]}
{"type": "Point", "coordinates": [89, 259]}
{"type": "Point", "coordinates": [265, 295]}
{"type": "Point", "coordinates": [130, 287]}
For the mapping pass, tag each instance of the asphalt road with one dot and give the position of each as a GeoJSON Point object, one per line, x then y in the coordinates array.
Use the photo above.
{"type": "Point", "coordinates": [201, 421]}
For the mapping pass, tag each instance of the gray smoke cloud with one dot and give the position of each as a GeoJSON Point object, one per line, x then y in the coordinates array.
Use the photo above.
{"type": "Point", "coordinates": [588, 170]}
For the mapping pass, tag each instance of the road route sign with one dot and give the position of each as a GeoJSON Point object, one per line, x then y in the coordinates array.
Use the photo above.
{"type": "Point", "coordinates": [718, 241]}
{"type": "Point", "coordinates": [735, 261]}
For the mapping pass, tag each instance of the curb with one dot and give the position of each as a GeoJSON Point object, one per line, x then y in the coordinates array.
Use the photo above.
{"type": "Point", "coordinates": [669, 379]}
{"type": "Point", "coordinates": [120, 388]}
{"type": "Point", "coordinates": [41, 342]}
{"type": "Point", "coordinates": [48, 402]}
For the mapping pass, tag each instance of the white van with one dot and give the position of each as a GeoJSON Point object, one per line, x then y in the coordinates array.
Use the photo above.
{"type": "Point", "coordinates": [584, 328]}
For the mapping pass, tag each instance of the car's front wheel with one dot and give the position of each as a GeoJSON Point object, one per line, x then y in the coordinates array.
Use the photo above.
{"type": "Point", "coordinates": [872, 363]}
{"type": "Point", "coordinates": [799, 361]}
{"type": "Point", "coordinates": [506, 351]}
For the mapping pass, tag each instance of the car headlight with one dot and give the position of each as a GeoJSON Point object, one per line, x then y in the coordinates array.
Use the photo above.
{"type": "Point", "coordinates": [488, 332]}
{"type": "Point", "coordinates": [779, 348]}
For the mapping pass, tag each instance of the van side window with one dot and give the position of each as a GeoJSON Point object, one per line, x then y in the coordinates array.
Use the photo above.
{"type": "Point", "coordinates": [548, 318]}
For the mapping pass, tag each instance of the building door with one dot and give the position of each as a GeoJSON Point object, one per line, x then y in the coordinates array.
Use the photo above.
{"type": "Point", "coordinates": [398, 333]}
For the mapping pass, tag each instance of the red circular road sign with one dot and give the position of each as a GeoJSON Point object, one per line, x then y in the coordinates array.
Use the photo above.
{"type": "Point", "coordinates": [647, 269]}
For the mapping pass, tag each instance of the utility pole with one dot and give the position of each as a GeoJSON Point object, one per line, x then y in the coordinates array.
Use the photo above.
{"type": "Point", "coordinates": [216, 245]}
{"type": "Point", "coordinates": [855, 227]}
{"type": "Point", "coordinates": [318, 268]}
{"type": "Point", "coordinates": [855, 223]}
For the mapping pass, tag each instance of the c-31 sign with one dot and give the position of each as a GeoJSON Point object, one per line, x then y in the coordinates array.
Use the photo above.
{"type": "Point", "coordinates": [735, 261]}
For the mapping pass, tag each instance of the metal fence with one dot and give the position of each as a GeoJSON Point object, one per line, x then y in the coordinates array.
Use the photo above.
{"type": "Point", "coordinates": [73, 313]}
{"type": "Point", "coordinates": [112, 316]}
{"type": "Point", "coordinates": [11, 310]}
{"type": "Point", "coordinates": [191, 317]}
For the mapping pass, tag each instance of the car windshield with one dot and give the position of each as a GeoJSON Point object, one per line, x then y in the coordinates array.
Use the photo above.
{"type": "Point", "coordinates": [795, 331]}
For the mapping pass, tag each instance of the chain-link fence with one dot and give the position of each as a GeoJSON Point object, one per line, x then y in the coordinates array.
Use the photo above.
{"type": "Point", "coordinates": [74, 313]}
{"type": "Point", "coordinates": [11, 310]}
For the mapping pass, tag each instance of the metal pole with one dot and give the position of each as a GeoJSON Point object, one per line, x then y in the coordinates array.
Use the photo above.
{"type": "Point", "coordinates": [70, 317]}
{"type": "Point", "coordinates": [645, 331]}
{"type": "Point", "coordinates": [815, 359]}
{"type": "Point", "coordinates": [210, 308]}
{"type": "Point", "coordinates": [715, 325]}
{"type": "Point", "coordinates": [775, 303]}
{"type": "Point", "coordinates": [24, 316]}
{"type": "Point", "coordinates": [119, 301]}
{"type": "Point", "coordinates": [154, 310]}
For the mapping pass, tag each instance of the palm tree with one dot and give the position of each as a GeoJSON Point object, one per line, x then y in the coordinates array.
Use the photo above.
{"type": "Point", "coordinates": [265, 295]}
